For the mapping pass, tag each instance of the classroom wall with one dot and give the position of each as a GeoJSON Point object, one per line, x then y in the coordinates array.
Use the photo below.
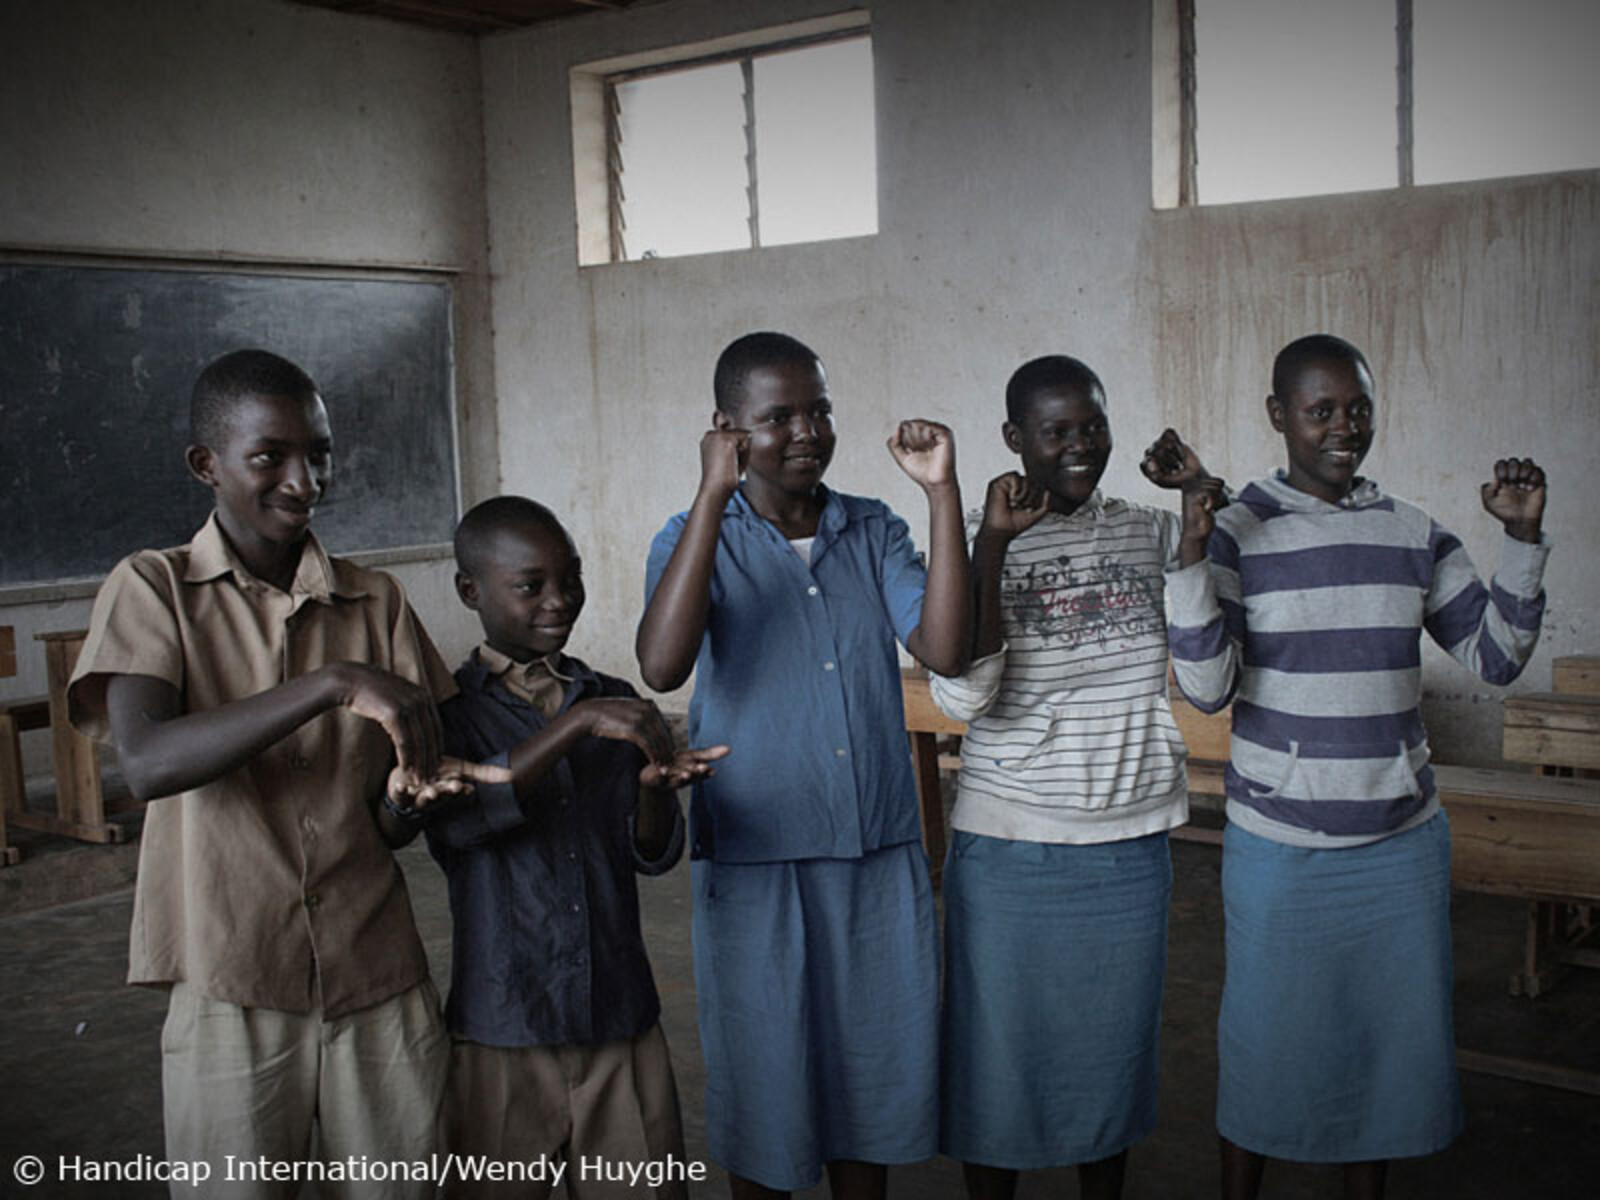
{"type": "Point", "coordinates": [1015, 219]}
{"type": "Point", "coordinates": [250, 130]}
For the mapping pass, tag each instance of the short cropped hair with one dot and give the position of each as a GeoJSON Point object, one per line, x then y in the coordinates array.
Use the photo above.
{"type": "Point", "coordinates": [1052, 373]}
{"type": "Point", "coordinates": [230, 379]}
{"type": "Point", "coordinates": [493, 516]}
{"type": "Point", "coordinates": [1299, 354]}
{"type": "Point", "coordinates": [748, 353]}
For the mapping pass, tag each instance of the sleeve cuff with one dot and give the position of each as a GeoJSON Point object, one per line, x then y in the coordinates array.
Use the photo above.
{"type": "Point", "coordinates": [498, 801]}
{"type": "Point", "coordinates": [668, 858]}
{"type": "Point", "coordinates": [1522, 565]}
{"type": "Point", "coordinates": [968, 696]}
{"type": "Point", "coordinates": [1191, 597]}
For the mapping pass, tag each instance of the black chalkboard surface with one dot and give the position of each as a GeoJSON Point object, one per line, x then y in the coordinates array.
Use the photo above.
{"type": "Point", "coordinates": [96, 366]}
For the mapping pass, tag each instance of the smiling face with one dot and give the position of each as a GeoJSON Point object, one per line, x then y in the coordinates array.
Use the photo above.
{"type": "Point", "coordinates": [789, 416]}
{"type": "Point", "coordinates": [272, 463]}
{"type": "Point", "coordinates": [526, 587]}
{"type": "Point", "coordinates": [1064, 440]}
{"type": "Point", "coordinates": [1326, 422]}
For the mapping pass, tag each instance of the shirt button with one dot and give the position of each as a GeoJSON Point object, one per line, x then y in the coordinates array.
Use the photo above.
{"type": "Point", "coordinates": [812, 590]}
{"type": "Point", "coordinates": [313, 900]}
{"type": "Point", "coordinates": [839, 753]}
{"type": "Point", "coordinates": [577, 908]}
{"type": "Point", "coordinates": [572, 856]}
{"type": "Point", "coordinates": [827, 666]}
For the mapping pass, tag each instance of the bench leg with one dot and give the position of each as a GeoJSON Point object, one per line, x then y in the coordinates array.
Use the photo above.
{"type": "Point", "coordinates": [12, 785]}
{"type": "Point", "coordinates": [925, 764]}
{"type": "Point", "coordinates": [1556, 933]}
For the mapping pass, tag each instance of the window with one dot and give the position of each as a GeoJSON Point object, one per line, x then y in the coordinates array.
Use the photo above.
{"type": "Point", "coordinates": [757, 145]}
{"type": "Point", "coordinates": [1261, 99]}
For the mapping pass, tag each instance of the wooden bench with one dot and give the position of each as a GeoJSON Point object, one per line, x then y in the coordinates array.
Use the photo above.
{"type": "Point", "coordinates": [10, 766]}
{"type": "Point", "coordinates": [80, 800]}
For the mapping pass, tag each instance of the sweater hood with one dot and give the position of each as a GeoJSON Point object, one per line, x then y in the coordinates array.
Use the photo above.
{"type": "Point", "coordinates": [1274, 495]}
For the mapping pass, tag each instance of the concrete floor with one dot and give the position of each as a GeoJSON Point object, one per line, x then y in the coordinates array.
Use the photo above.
{"type": "Point", "coordinates": [80, 1069]}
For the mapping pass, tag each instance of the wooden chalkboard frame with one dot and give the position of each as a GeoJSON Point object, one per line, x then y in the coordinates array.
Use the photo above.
{"type": "Point", "coordinates": [97, 356]}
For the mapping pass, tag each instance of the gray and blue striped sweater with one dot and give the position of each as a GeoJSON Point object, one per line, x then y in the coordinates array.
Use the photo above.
{"type": "Point", "coordinates": [1308, 616]}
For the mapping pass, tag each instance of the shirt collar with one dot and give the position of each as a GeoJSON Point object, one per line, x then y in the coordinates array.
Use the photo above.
{"type": "Point", "coordinates": [499, 664]}
{"type": "Point", "coordinates": [476, 675]}
{"type": "Point", "coordinates": [833, 519]}
{"type": "Point", "coordinates": [318, 577]}
{"type": "Point", "coordinates": [1093, 505]}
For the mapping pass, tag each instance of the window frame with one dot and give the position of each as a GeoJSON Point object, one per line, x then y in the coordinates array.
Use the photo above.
{"type": "Point", "coordinates": [596, 120]}
{"type": "Point", "coordinates": [1175, 108]}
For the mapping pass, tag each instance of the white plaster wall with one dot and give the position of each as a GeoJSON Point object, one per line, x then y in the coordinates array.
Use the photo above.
{"type": "Point", "coordinates": [254, 130]}
{"type": "Point", "coordinates": [1015, 219]}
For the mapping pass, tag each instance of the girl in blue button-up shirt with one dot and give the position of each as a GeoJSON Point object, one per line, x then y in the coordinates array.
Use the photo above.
{"type": "Point", "coordinates": [816, 959]}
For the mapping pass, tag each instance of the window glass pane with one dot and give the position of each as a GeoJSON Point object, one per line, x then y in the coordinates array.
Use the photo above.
{"type": "Point", "coordinates": [1294, 98]}
{"type": "Point", "coordinates": [816, 161]}
{"type": "Point", "coordinates": [1505, 88]}
{"type": "Point", "coordinates": [683, 169]}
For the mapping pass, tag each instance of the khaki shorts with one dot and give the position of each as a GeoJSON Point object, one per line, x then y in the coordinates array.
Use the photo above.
{"type": "Point", "coordinates": [252, 1084]}
{"type": "Point", "coordinates": [595, 1111]}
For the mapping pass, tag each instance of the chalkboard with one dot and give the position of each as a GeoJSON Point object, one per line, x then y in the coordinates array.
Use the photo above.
{"type": "Point", "coordinates": [96, 367]}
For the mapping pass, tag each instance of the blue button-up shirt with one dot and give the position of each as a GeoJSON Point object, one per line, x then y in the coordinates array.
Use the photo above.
{"type": "Point", "coordinates": [798, 674]}
{"type": "Point", "coordinates": [545, 908]}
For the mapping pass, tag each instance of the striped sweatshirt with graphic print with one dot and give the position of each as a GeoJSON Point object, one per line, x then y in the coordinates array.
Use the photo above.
{"type": "Point", "coordinates": [1070, 738]}
{"type": "Point", "coordinates": [1308, 616]}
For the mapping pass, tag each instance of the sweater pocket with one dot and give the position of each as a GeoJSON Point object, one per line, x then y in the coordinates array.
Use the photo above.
{"type": "Point", "coordinates": [1096, 757]}
{"type": "Point", "coordinates": [1333, 771]}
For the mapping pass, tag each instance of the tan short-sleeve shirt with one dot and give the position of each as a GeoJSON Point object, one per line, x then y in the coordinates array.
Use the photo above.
{"type": "Point", "coordinates": [270, 886]}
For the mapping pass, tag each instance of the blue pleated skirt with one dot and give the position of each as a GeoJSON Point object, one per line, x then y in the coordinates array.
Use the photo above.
{"type": "Point", "coordinates": [1054, 961]}
{"type": "Point", "coordinates": [1335, 1041]}
{"type": "Point", "coordinates": [818, 990]}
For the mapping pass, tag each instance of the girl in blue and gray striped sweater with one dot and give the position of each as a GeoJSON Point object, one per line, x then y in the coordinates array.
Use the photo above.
{"type": "Point", "coordinates": [1335, 1040]}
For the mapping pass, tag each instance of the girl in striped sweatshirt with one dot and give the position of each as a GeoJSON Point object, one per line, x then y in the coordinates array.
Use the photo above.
{"type": "Point", "coordinates": [1335, 1041]}
{"type": "Point", "coordinates": [1072, 772]}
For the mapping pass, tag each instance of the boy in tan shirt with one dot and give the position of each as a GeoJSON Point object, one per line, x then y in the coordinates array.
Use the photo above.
{"type": "Point", "coordinates": [258, 692]}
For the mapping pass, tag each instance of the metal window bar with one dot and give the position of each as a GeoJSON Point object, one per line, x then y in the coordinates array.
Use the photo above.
{"type": "Point", "coordinates": [1188, 115]}
{"type": "Point", "coordinates": [1403, 102]}
{"type": "Point", "coordinates": [746, 60]}
{"type": "Point", "coordinates": [616, 223]}
{"type": "Point", "coordinates": [747, 68]}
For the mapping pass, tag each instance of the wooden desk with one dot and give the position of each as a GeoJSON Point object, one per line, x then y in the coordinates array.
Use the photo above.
{"type": "Point", "coordinates": [1558, 734]}
{"type": "Point", "coordinates": [1576, 674]}
{"type": "Point", "coordinates": [1554, 731]}
{"type": "Point", "coordinates": [80, 803]}
{"type": "Point", "coordinates": [925, 725]}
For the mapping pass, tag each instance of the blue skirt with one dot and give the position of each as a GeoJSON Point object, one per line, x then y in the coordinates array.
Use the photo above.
{"type": "Point", "coordinates": [1054, 961]}
{"type": "Point", "coordinates": [1335, 1042]}
{"type": "Point", "coordinates": [818, 990]}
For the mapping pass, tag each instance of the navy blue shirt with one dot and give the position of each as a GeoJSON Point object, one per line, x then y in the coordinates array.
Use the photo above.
{"type": "Point", "coordinates": [543, 901]}
{"type": "Point", "coordinates": [798, 673]}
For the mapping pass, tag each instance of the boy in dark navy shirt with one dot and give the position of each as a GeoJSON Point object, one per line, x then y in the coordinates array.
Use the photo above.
{"type": "Point", "coordinates": [557, 1052]}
